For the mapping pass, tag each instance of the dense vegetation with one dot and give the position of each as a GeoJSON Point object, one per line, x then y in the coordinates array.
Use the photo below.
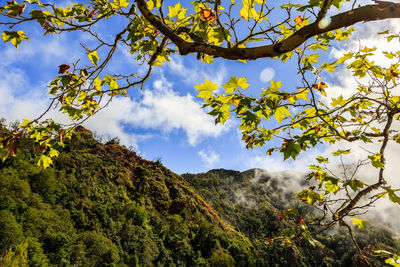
{"type": "Point", "coordinates": [103, 205]}
{"type": "Point", "coordinates": [252, 202]}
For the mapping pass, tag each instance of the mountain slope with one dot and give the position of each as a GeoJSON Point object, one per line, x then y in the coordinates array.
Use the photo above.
{"type": "Point", "coordinates": [252, 201]}
{"type": "Point", "coordinates": [102, 205]}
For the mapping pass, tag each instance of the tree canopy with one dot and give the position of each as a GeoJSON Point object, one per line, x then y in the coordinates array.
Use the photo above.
{"type": "Point", "coordinates": [300, 117]}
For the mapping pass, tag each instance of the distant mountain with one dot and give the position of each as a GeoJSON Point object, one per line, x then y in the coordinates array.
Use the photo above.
{"type": "Point", "coordinates": [252, 200]}
{"type": "Point", "coordinates": [103, 205]}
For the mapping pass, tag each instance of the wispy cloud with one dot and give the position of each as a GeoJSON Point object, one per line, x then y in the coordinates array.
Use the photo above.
{"type": "Point", "coordinates": [196, 73]}
{"type": "Point", "coordinates": [164, 109]}
{"type": "Point", "coordinates": [209, 157]}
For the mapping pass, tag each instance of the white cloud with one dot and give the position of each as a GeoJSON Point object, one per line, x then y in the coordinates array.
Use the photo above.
{"type": "Point", "coordinates": [209, 157]}
{"type": "Point", "coordinates": [197, 73]}
{"type": "Point", "coordinates": [165, 110]}
{"type": "Point", "coordinates": [267, 74]}
{"type": "Point", "coordinates": [160, 109]}
{"type": "Point", "coordinates": [53, 49]}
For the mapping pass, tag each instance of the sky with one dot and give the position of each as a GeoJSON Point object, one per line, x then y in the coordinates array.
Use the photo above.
{"type": "Point", "coordinates": [165, 121]}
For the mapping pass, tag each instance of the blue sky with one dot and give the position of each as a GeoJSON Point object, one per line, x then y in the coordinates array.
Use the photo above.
{"type": "Point", "coordinates": [165, 120]}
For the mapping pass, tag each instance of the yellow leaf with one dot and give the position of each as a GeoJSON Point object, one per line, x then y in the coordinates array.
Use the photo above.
{"type": "Point", "coordinates": [45, 161]}
{"type": "Point", "coordinates": [360, 223]}
{"type": "Point", "coordinates": [93, 57]}
{"type": "Point", "coordinates": [206, 89]}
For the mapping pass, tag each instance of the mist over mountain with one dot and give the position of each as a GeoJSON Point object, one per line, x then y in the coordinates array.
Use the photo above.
{"type": "Point", "coordinates": [101, 204]}
{"type": "Point", "coordinates": [252, 201]}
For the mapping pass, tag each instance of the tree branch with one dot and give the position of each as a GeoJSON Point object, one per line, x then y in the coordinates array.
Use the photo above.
{"type": "Point", "coordinates": [345, 19]}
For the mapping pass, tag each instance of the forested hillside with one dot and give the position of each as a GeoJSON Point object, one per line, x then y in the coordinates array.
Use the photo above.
{"type": "Point", "coordinates": [252, 202]}
{"type": "Point", "coordinates": [103, 205]}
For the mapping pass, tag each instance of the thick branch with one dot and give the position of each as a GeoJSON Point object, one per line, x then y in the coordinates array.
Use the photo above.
{"type": "Point", "coordinates": [345, 19]}
{"type": "Point", "coordinates": [344, 211]}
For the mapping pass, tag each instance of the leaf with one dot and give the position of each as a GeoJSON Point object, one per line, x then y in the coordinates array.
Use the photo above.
{"type": "Point", "coordinates": [206, 89]}
{"type": "Point", "coordinates": [393, 262]}
{"type": "Point", "coordinates": [345, 57]}
{"type": "Point", "coordinates": [341, 152]}
{"type": "Point", "coordinates": [338, 101]}
{"type": "Point", "coordinates": [207, 59]}
{"type": "Point", "coordinates": [63, 68]}
{"type": "Point", "coordinates": [331, 187]}
{"type": "Point", "coordinates": [354, 184]}
{"type": "Point", "coordinates": [176, 10]}
{"type": "Point", "coordinates": [311, 59]}
{"type": "Point", "coordinates": [97, 84]}
{"type": "Point", "coordinates": [290, 149]}
{"type": "Point", "coordinates": [93, 57]}
{"type": "Point", "coordinates": [360, 223]}
{"type": "Point", "coordinates": [322, 159]}
{"type": "Point", "coordinates": [274, 86]}
{"type": "Point", "coordinates": [218, 35]}
{"type": "Point", "coordinates": [45, 161]}
{"type": "Point", "coordinates": [53, 153]}
{"type": "Point", "coordinates": [119, 3]}
{"type": "Point", "coordinates": [384, 32]}
{"type": "Point", "coordinates": [329, 67]}
{"type": "Point", "coordinates": [112, 83]}
{"type": "Point", "coordinates": [281, 112]}
{"type": "Point", "coordinates": [376, 161]}
{"type": "Point", "coordinates": [392, 196]}
{"type": "Point", "coordinates": [234, 83]}
{"type": "Point", "coordinates": [15, 37]}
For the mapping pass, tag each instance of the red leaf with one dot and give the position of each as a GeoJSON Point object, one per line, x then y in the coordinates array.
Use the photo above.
{"type": "Point", "coordinates": [298, 19]}
{"type": "Point", "coordinates": [63, 68]}
{"type": "Point", "coordinates": [207, 14]}
{"type": "Point", "coordinates": [281, 216]}
{"type": "Point", "coordinates": [39, 148]}
{"type": "Point", "coordinates": [12, 147]}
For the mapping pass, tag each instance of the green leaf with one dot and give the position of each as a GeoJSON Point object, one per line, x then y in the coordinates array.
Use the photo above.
{"type": "Point", "coordinates": [290, 149]}
{"type": "Point", "coordinates": [341, 152]}
{"type": "Point", "coordinates": [15, 37]}
{"type": "Point", "coordinates": [331, 187]}
{"type": "Point", "coordinates": [360, 223]}
{"type": "Point", "coordinates": [392, 196]}
{"type": "Point", "coordinates": [376, 161]}
{"type": "Point", "coordinates": [354, 184]}
{"type": "Point", "coordinates": [322, 159]}
{"type": "Point", "coordinates": [218, 36]}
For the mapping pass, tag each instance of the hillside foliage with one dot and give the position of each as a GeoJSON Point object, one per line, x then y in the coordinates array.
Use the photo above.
{"type": "Point", "coordinates": [103, 205]}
